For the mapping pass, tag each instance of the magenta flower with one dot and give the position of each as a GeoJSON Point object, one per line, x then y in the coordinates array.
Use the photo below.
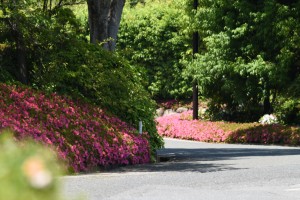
{"type": "Point", "coordinates": [82, 134]}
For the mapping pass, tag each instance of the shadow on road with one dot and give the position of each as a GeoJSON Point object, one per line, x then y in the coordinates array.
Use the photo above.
{"type": "Point", "coordinates": [224, 153]}
{"type": "Point", "coordinates": [175, 166]}
{"type": "Point", "coordinates": [204, 160]}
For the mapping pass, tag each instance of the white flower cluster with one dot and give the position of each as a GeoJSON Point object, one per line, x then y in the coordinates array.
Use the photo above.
{"type": "Point", "coordinates": [268, 119]}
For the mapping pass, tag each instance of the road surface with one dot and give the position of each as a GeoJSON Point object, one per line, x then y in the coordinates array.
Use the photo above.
{"type": "Point", "coordinates": [196, 170]}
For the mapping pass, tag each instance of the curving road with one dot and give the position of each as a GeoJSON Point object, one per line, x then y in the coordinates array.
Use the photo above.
{"type": "Point", "coordinates": [195, 170]}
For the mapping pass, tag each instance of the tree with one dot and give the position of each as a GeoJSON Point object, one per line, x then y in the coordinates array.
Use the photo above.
{"type": "Point", "coordinates": [153, 38]}
{"type": "Point", "coordinates": [104, 21]}
{"type": "Point", "coordinates": [251, 55]}
{"type": "Point", "coordinates": [27, 29]}
{"type": "Point", "coordinates": [13, 17]}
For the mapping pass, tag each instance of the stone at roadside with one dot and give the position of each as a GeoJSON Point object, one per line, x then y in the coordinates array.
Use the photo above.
{"type": "Point", "coordinates": [181, 109]}
{"type": "Point", "coordinates": [169, 112]}
{"type": "Point", "coordinates": [160, 112]}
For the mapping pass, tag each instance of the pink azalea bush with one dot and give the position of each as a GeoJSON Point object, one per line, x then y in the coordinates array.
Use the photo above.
{"type": "Point", "coordinates": [82, 134]}
{"type": "Point", "coordinates": [182, 126]}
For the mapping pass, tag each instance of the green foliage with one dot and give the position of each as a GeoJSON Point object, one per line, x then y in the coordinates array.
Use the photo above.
{"type": "Point", "coordinates": [87, 71]}
{"type": "Point", "coordinates": [288, 111]}
{"type": "Point", "coordinates": [5, 76]}
{"type": "Point", "coordinates": [27, 170]}
{"type": "Point", "coordinates": [81, 13]}
{"type": "Point", "coordinates": [250, 56]}
{"type": "Point", "coordinates": [41, 33]}
{"type": "Point", "coordinates": [152, 39]}
{"type": "Point", "coordinates": [133, 3]}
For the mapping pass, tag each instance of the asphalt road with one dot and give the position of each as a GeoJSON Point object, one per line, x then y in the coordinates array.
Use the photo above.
{"type": "Point", "coordinates": [198, 170]}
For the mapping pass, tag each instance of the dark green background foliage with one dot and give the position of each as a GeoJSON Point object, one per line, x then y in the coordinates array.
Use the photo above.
{"type": "Point", "coordinates": [251, 55]}
{"type": "Point", "coordinates": [151, 37]}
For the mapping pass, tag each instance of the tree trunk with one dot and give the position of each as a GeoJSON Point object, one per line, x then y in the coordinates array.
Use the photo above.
{"type": "Point", "coordinates": [104, 21]}
{"type": "Point", "coordinates": [267, 104]}
{"type": "Point", "coordinates": [18, 37]}
{"type": "Point", "coordinates": [195, 100]}
{"type": "Point", "coordinates": [195, 84]}
{"type": "Point", "coordinates": [21, 53]}
{"type": "Point", "coordinates": [98, 11]}
{"type": "Point", "coordinates": [114, 22]}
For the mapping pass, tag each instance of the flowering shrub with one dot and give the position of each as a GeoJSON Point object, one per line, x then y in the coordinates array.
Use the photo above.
{"type": "Point", "coordinates": [81, 134]}
{"type": "Point", "coordinates": [182, 126]}
{"type": "Point", "coordinates": [268, 119]}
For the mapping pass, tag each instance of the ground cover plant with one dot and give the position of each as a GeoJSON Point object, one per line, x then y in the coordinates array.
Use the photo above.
{"type": "Point", "coordinates": [184, 127]}
{"type": "Point", "coordinates": [83, 135]}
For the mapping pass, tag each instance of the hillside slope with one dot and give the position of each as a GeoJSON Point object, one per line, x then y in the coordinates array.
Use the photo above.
{"type": "Point", "coordinates": [82, 134]}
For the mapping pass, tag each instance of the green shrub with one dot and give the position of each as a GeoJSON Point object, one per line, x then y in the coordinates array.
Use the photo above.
{"type": "Point", "coordinates": [288, 105]}
{"type": "Point", "coordinates": [103, 78]}
{"type": "Point", "coordinates": [5, 76]}
{"type": "Point", "coordinates": [27, 170]}
{"type": "Point", "coordinates": [151, 37]}
{"type": "Point", "coordinates": [288, 111]}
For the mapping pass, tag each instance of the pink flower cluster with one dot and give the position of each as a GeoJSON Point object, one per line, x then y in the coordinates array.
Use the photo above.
{"type": "Point", "coordinates": [81, 134]}
{"type": "Point", "coordinates": [182, 126]}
